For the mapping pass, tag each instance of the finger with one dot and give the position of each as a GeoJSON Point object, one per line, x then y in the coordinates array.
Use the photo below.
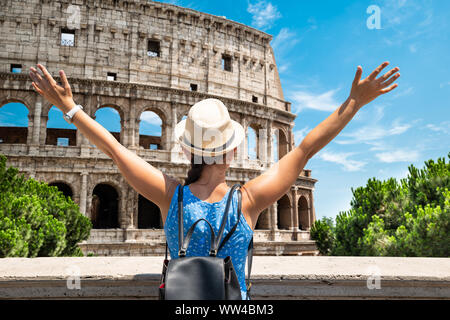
{"type": "Point", "coordinates": [357, 75]}
{"type": "Point", "coordinates": [392, 79]}
{"type": "Point", "coordinates": [383, 91]}
{"type": "Point", "coordinates": [36, 77]}
{"type": "Point", "coordinates": [375, 72]}
{"type": "Point", "coordinates": [37, 89]}
{"type": "Point", "coordinates": [388, 74]}
{"type": "Point", "coordinates": [46, 74]}
{"type": "Point", "coordinates": [64, 81]}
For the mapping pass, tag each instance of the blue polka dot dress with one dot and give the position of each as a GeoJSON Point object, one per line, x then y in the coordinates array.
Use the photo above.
{"type": "Point", "coordinates": [193, 209]}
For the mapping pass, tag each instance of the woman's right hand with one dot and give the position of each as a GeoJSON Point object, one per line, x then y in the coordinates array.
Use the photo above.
{"type": "Point", "coordinates": [47, 87]}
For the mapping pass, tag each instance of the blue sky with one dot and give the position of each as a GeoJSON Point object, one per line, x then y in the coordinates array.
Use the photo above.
{"type": "Point", "coordinates": [318, 45]}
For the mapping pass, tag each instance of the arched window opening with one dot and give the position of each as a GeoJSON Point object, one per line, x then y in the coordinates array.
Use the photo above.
{"type": "Point", "coordinates": [109, 118]}
{"type": "Point", "coordinates": [303, 221]}
{"type": "Point", "coordinates": [283, 146]}
{"type": "Point", "coordinates": [284, 213]}
{"type": "Point", "coordinates": [252, 144]}
{"type": "Point", "coordinates": [275, 146]}
{"type": "Point", "coordinates": [63, 187]}
{"type": "Point", "coordinates": [59, 131]}
{"type": "Point", "coordinates": [13, 123]}
{"type": "Point", "coordinates": [150, 131]}
{"type": "Point", "coordinates": [105, 207]}
{"type": "Point", "coordinates": [263, 220]}
{"type": "Point", "coordinates": [149, 215]}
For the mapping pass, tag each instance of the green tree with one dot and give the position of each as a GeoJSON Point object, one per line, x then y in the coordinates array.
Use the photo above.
{"type": "Point", "coordinates": [37, 219]}
{"type": "Point", "coordinates": [391, 218]}
{"type": "Point", "coordinates": [322, 232]}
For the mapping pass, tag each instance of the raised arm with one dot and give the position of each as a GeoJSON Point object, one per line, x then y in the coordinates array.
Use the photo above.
{"type": "Point", "coordinates": [260, 192]}
{"type": "Point", "coordinates": [142, 176]}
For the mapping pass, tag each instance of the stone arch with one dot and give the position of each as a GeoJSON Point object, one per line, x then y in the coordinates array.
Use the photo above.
{"type": "Point", "coordinates": [283, 145]}
{"type": "Point", "coordinates": [12, 133]}
{"type": "Point", "coordinates": [303, 212]}
{"type": "Point", "coordinates": [284, 209]}
{"type": "Point", "coordinates": [113, 105]}
{"type": "Point", "coordinates": [63, 186]}
{"type": "Point", "coordinates": [7, 99]}
{"type": "Point", "coordinates": [105, 206]}
{"type": "Point", "coordinates": [263, 221]}
{"type": "Point", "coordinates": [149, 214]}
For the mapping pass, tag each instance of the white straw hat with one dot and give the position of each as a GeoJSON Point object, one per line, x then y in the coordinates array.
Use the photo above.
{"type": "Point", "coordinates": [208, 129]}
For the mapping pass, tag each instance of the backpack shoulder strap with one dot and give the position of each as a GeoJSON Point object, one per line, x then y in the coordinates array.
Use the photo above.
{"type": "Point", "coordinates": [230, 233]}
{"type": "Point", "coordinates": [180, 218]}
{"type": "Point", "coordinates": [249, 267]}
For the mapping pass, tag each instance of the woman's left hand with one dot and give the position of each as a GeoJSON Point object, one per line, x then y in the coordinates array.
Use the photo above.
{"type": "Point", "coordinates": [366, 90]}
{"type": "Point", "coordinates": [46, 86]}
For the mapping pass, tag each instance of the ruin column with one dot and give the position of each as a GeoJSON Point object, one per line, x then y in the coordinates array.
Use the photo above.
{"type": "Point", "coordinates": [274, 221]}
{"type": "Point", "coordinates": [263, 139]}
{"type": "Point", "coordinates": [312, 211]}
{"type": "Point", "coordinates": [123, 136]}
{"type": "Point", "coordinates": [136, 133]}
{"type": "Point", "coordinates": [131, 128]}
{"type": "Point", "coordinates": [269, 143]}
{"type": "Point", "coordinates": [273, 212]}
{"type": "Point", "coordinates": [166, 131]}
{"type": "Point", "coordinates": [173, 147]}
{"type": "Point", "coordinates": [37, 120]}
{"type": "Point", "coordinates": [131, 124]}
{"type": "Point", "coordinates": [294, 196]}
{"type": "Point", "coordinates": [244, 151]}
{"type": "Point", "coordinates": [173, 122]}
{"type": "Point", "coordinates": [85, 143]}
{"type": "Point", "coordinates": [83, 192]}
{"type": "Point", "coordinates": [36, 126]}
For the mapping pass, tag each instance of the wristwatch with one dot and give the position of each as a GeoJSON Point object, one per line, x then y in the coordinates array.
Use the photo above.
{"type": "Point", "coordinates": [69, 115]}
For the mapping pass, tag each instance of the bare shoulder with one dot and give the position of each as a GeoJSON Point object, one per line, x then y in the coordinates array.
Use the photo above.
{"type": "Point", "coordinates": [171, 185]}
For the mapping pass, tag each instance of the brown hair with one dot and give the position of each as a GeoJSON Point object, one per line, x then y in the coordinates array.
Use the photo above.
{"type": "Point", "coordinates": [197, 166]}
{"type": "Point", "coordinates": [196, 170]}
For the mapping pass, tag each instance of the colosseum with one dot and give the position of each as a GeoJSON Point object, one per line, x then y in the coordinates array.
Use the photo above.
{"type": "Point", "coordinates": [137, 57]}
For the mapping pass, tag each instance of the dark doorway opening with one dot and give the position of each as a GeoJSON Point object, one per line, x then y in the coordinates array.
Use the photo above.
{"type": "Point", "coordinates": [149, 215]}
{"type": "Point", "coordinates": [105, 207]}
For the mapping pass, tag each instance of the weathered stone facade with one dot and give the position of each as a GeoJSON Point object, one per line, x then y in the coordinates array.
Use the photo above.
{"type": "Point", "coordinates": [198, 56]}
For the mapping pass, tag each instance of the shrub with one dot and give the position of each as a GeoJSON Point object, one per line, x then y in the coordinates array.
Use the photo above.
{"type": "Point", "coordinates": [391, 218]}
{"type": "Point", "coordinates": [37, 219]}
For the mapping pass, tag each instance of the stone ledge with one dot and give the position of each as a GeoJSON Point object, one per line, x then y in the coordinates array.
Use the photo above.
{"type": "Point", "coordinates": [272, 277]}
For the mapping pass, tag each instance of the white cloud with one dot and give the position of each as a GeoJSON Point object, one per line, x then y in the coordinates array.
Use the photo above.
{"type": "Point", "coordinates": [264, 14]}
{"type": "Point", "coordinates": [283, 42]}
{"type": "Point", "coordinates": [408, 20]}
{"type": "Point", "coordinates": [151, 118]}
{"type": "Point", "coordinates": [342, 159]}
{"type": "Point", "coordinates": [408, 91]}
{"type": "Point", "coordinates": [282, 68]}
{"type": "Point", "coordinates": [443, 84]}
{"type": "Point", "coordinates": [323, 101]}
{"type": "Point", "coordinates": [443, 127]}
{"type": "Point", "coordinates": [285, 38]}
{"type": "Point", "coordinates": [398, 156]}
{"type": "Point", "coordinates": [373, 133]}
{"type": "Point", "coordinates": [299, 135]}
